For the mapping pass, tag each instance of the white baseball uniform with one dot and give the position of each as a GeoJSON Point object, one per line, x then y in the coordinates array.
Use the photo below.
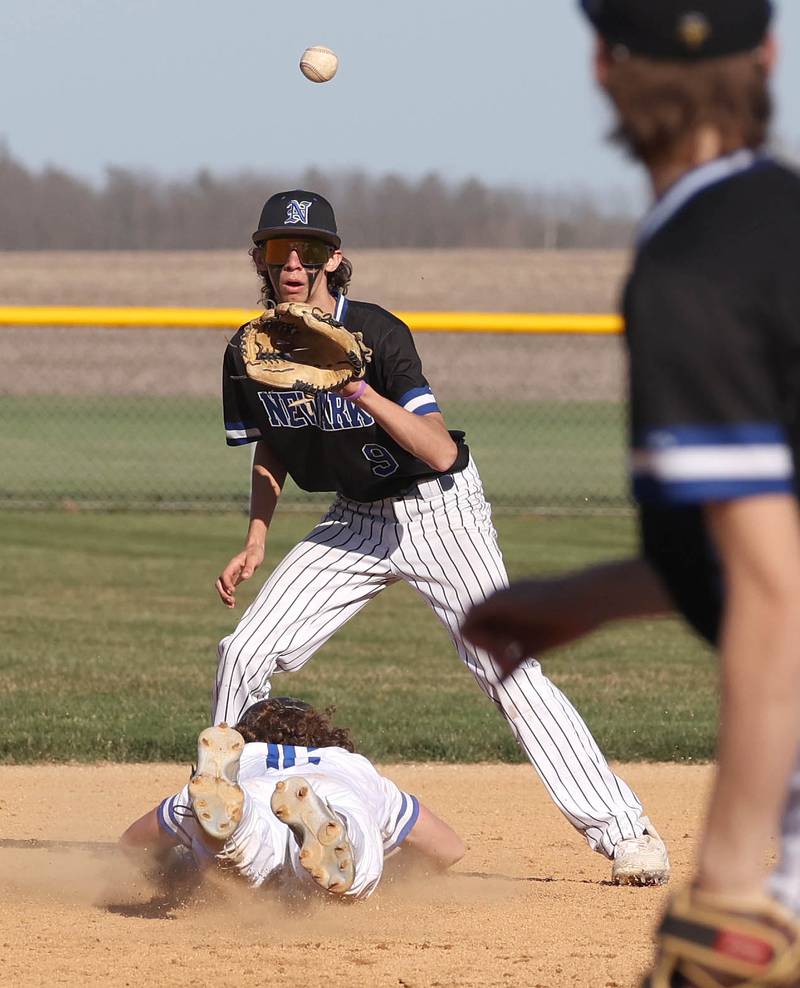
{"type": "Point", "coordinates": [393, 519]}
{"type": "Point", "coordinates": [378, 816]}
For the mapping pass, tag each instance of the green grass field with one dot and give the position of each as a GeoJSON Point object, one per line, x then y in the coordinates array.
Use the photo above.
{"type": "Point", "coordinates": [152, 451]}
{"type": "Point", "coordinates": [109, 623]}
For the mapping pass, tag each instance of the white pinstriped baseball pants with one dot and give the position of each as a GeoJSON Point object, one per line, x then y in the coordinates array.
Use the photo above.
{"type": "Point", "coordinates": [443, 543]}
{"type": "Point", "coordinates": [785, 879]}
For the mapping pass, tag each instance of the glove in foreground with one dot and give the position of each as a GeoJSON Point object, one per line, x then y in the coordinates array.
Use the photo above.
{"type": "Point", "coordinates": [714, 941]}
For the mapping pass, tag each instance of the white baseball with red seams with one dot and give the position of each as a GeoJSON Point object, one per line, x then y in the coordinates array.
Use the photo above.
{"type": "Point", "coordinates": [319, 64]}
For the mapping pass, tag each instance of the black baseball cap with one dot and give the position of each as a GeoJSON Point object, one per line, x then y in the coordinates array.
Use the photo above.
{"type": "Point", "coordinates": [682, 30]}
{"type": "Point", "coordinates": [249, 718]}
{"type": "Point", "coordinates": [297, 213]}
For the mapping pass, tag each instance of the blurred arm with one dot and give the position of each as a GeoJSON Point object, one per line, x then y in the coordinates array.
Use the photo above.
{"type": "Point", "coordinates": [758, 539]}
{"type": "Point", "coordinates": [532, 616]}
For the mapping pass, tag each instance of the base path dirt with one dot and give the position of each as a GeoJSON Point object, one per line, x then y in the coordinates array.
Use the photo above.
{"type": "Point", "coordinates": [529, 905]}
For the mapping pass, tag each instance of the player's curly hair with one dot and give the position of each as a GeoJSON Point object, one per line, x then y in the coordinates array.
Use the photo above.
{"type": "Point", "coordinates": [338, 280]}
{"type": "Point", "coordinates": [283, 720]}
{"type": "Point", "coordinates": [661, 104]}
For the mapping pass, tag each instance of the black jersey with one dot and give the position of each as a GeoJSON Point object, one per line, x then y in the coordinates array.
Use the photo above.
{"type": "Point", "coordinates": [712, 314]}
{"type": "Point", "coordinates": [328, 443]}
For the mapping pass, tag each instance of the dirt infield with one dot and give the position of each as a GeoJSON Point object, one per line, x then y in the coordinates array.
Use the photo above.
{"type": "Point", "coordinates": [528, 906]}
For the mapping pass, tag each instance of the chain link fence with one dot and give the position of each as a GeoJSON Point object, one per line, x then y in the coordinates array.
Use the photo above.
{"type": "Point", "coordinates": [119, 418]}
{"type": "Point", "coordinates": [131, 418]}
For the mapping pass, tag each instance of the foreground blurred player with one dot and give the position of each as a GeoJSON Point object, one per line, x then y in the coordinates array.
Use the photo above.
{"type": "Point", "coordinates": [713, 329]}
{"type": "Point", "coordinates": [285, 796]}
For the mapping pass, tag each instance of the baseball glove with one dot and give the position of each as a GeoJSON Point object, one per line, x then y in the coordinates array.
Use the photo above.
{"type": "Point", "coordinates": [297, 347]}
{"type": "Point", "coordinates": [714, 941]}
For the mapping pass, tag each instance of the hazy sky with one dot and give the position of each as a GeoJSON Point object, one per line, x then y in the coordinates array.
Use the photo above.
{"type": "Point", "coordinates": [499, 90]}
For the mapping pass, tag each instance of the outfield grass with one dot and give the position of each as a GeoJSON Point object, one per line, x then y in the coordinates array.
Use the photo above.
{"type": "Point", "coordinates": [108, 627]}
{"type": "Point", "coordinates": [140, 451]}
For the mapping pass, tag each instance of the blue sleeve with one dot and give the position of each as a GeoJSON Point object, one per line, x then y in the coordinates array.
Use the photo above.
{"type": "Point", "coordinates": [175, 818]}
{"type": "Point", "coordinates": [707, 384]}
{"type": "Point", "coordinates": [403, 823]}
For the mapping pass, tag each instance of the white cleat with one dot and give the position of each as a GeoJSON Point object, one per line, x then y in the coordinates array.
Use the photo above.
{"type": "Point", "coordinates": [325, 850]}
{"type": "Point", "coordinates": [214, 790]}
{"type": "Point", "coordinates": [641, 860]}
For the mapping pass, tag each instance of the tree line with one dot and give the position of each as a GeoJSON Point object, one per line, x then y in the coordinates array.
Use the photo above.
{"type": "Point", "coordinates": [137, 210]}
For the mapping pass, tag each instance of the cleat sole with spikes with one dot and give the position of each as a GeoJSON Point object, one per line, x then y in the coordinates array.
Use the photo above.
{"type": "Point", "coordinates": [216, 796]}
{"type": "Point", "coordinates": [325, 851]}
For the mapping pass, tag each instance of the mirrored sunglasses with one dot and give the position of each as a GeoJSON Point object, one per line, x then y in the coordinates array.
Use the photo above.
{"type": "Point", "coordinates": [310, 252]}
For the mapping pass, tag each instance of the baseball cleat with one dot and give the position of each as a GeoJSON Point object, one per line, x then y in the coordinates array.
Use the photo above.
{"type": "Point", "coordinates": [216, 796]}
{"type": "Point", "coordinates": [641, 860]}
{"type": "Point", "coordinates": [325, 850]}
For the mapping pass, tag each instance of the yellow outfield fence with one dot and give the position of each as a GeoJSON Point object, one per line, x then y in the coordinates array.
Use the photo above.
{"type": "Point", "coordinates": [193, 318]}
{"type": "Point", "coordinates": [98, 409]}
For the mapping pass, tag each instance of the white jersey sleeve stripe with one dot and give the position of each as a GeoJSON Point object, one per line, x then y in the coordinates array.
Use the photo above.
{"type": "Point", "coordinates": [237, 433]}
{"type": "Point", "coordinates": [426, 408]}
{"type": "Point", "coordinates": [691, 474]}
{"type": "Point", "coordinates": [421, 404]}
{"type": "Point", "coordinates": [404, 822]}
{"type": "Point", "coordinates": [170, 821]}
{"type": "Point", "coordinates": [163, 820]}
{"type": "Point", "coordinates": [755, 462]}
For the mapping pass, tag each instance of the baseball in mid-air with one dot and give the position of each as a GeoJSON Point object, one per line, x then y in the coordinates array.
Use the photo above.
{"type": "Point", "coordinates": [318, 63]}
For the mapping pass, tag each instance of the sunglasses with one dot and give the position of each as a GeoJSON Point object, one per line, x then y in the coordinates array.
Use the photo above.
{"type": "Point", "coordinates": [311, 252]}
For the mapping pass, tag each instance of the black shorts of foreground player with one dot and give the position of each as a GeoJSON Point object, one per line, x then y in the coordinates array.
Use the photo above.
{"type": "Point", "coordinates": [409, 506]}
{"type": "Point", "coordinates": [284, 800]}
{"type": "Point", "coordinates": [712, 313]}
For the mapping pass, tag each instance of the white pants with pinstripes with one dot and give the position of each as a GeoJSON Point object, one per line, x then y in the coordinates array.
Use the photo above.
{"type": "Point", "coordinates": [785, 879]}
{"type": "Point", "coordinates": [443, 543]}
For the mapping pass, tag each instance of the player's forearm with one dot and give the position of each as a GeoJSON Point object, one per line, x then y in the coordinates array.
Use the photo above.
{"type": "Point", "coordinates": [267, 480]}
{"type": "Point", "coordinates": [615, 591]}
{"type": "Point", "coordinates": [623, 589]}
{"type": "Point", "coordinates": [424, 436]}
{"type": "Point", "coordinates": [435, 840]}
{"type": "Point", "coordinates": [145, 834]}
{"type": "Point", "coordinates": [532, 616]}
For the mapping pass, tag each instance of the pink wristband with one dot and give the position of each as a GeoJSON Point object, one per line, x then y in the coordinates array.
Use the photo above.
{"type": "Point", "coordinates": [362, 387]}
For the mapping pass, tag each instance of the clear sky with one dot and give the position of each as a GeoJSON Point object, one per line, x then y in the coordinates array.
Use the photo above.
{"type": "Point", "coordinates": [498, 90]}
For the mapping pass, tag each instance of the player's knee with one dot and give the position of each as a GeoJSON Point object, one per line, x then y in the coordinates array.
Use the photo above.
{"type": "Point", "coordinates": [228, 654]}
{"type": "Point", "coordinates": [222, 647]}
